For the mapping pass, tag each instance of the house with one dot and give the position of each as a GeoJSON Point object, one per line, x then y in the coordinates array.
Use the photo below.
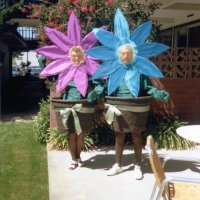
{"type": "Point", "coordinates": [17, 33]}
{"type": "Point", "coordinates": [180, 29]}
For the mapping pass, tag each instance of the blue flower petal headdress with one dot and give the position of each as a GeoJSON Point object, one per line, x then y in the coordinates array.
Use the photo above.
{"type": "Point", "coordinates": [126, 54]}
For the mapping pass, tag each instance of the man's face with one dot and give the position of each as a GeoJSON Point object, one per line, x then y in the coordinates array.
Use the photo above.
{"type": "Point", "coordinates": [126, 54]}
{"type": "Point", "coordinates": [76, 56]}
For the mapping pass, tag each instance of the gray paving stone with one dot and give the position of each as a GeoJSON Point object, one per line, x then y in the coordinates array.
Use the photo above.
{"type": "Point", "coordinates": [92, 183]}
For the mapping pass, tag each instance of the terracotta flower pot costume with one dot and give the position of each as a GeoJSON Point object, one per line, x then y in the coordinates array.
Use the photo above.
{"type": "Point", "coordinates": [73, 68]}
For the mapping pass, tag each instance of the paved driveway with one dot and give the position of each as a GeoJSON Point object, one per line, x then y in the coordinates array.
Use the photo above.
{"type": "Point", "coordinates": [92, 183]}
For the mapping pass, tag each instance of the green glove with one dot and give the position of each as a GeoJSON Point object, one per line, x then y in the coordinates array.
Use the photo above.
{"type": "Point", "coordinates": [92, 96]}
{"type": "Point", "coordinates": [99, 89]}
{"type": "Point", "coordinates": [158, 94]}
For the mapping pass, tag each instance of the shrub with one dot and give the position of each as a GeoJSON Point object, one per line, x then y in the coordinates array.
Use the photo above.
{"type": "Point", "coordinates": [137, 12]}
{"type": "Point", "coordinates": [88, 142]}
{"type": "Point", "coordinates": [164, 134]}
{"type": "Point", "coordinates": [42, 122]}
{"type": "Point", "coordinates": [9, 12]}
{"type": "Point", "coordinates": [102, 134]}
{"type": "Point", "coordinates": [91, 13]}
{"type": "Point", "coordinates": [59, 140]}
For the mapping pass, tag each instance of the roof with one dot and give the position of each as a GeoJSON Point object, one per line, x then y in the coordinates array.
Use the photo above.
{"type": "Point", "coordinates": [176, 12]}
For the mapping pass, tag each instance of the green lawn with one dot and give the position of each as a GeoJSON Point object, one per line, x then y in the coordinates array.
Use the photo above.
{"type": "Point", "coordinates": [23, 163]}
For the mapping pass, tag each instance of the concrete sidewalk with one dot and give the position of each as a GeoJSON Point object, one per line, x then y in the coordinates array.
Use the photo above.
{"type": "Point", "coordinates": [92, 183]}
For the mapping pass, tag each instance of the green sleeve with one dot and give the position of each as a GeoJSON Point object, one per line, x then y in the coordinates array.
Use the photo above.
{"type": "Point", "coordinates": [97, 92]}
{"type": "Point", "coordinates": [148, 88]}
{"type": "Point", "coordinates": [145, 82]}
{"type": "Point", "coordinates": [123, 91]}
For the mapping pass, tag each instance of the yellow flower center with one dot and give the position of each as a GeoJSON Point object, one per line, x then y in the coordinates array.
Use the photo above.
{"type": "Point", "coordinates": [76, 55]}
{"type": "Point", "coordinates": [126, 54]}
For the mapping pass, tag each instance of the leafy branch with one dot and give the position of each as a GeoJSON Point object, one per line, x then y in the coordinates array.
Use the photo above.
{"type": "Point", "coordinates": [9, 12]}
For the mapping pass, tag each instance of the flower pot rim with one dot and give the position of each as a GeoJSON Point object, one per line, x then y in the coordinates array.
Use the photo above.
{"type": "Point", "coordinates": [129, 98]}
{"type": "Point", "coordinates": [68, 101]}
{"type": "Point", "coordinates": [132, 101]}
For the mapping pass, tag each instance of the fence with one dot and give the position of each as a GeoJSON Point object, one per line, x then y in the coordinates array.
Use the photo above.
{"type": "Point", "coordinates": [179, 63]}
{"type": "Point", "coordinates": [181, 69]}
{"type": "Point", "coordinates": [28, 33]}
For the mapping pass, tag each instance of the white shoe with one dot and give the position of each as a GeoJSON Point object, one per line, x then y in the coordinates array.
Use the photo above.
{"type": "Point", "coordinates": [138, 173]}
{"type": "Point", "coordinates": [73, 164]}
{"type": "Point", "coordinates": [116, 169]}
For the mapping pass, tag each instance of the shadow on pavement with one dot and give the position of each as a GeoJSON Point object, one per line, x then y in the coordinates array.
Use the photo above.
{"type": "Point", "coordinates": [106, 160]}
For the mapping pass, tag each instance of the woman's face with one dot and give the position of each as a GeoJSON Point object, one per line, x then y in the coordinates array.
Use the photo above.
{"type": "Point", "coordinates": [76, 55]}
{"type": "Point", "coordinates": [126, 54]}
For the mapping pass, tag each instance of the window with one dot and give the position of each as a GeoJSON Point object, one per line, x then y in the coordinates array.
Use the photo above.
{"type": "Point", "coordinates": [181, 36]}
{"type": "Point", "coordinates": [28, 33]}
{"type": "Point", "coordinates": [194, 37]}
{"type": "Point", "coordinates": [186, 36]}
{"type": "Point", "coordinates": [165, 37]}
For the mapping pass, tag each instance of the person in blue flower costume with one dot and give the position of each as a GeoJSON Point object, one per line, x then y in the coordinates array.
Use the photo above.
{"type": "Point", "coordinates": [126, 63]}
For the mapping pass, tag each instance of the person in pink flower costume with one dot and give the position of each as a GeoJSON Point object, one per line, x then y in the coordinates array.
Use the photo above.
{"type": "Point", "coordinates": [74, 69]}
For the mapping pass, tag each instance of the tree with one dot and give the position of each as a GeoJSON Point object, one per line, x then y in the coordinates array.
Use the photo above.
{"type": "Point", "coordinates": [91, 14]}
{"type": "Point", "coordinates": [137, 12]}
